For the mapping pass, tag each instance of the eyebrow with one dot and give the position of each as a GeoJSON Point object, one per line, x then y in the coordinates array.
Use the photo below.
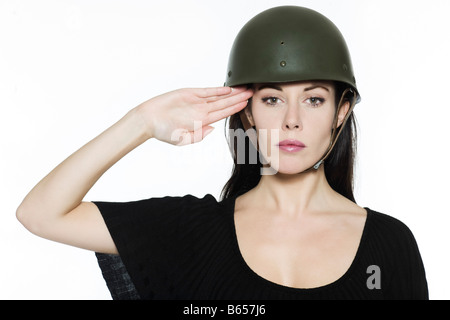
{"type": "Point", "coordinates": [316, 86]}
{"type": "Point", "coordinates": [271, 86]}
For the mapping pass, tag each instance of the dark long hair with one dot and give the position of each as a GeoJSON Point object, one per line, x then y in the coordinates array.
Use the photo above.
{"type": "Point", "coordinates": [338, 166]}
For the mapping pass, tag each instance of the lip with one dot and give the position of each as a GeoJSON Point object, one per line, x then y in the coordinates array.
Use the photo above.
{"type": "Point", "coordinates": [291, 145]}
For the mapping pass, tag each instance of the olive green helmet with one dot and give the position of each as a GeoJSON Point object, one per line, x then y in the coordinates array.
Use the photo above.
{"type": "Point", "coordinates": [286, 44]}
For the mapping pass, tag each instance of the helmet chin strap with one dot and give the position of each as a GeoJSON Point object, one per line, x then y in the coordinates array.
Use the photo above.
{"type": "Point", "coordinates": [335, 131]}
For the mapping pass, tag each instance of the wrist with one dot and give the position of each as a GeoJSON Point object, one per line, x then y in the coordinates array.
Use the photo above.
{"type": "Point", "coordinates": [144, 130]}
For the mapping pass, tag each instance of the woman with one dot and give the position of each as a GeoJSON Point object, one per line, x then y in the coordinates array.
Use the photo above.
{"type": "Point", "coordinates": [287, 226]}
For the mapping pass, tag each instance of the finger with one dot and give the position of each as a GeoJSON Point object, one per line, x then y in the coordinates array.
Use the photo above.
{"type": "Point", "coordinates": [201, 134]}
{"type": "Point", "coordinates": [195, 136]}
{"type": "Point", "coordinates": [230, 100]}
{"type": "Point", "coordinates": [211, 92]}
{"type": "Point", "coordinates": [234, 91]}
{"type": "Point", "coordinates": [224, 113]}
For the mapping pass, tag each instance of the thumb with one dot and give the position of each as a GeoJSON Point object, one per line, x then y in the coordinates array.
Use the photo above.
{"type": "Point", "coordinates": [200, 134]}
{"type": "Point", "coordinates": [207, 130]}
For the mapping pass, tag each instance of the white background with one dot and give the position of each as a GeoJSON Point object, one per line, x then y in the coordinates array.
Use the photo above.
{"type": "Point", "coordinates": [70, 69]}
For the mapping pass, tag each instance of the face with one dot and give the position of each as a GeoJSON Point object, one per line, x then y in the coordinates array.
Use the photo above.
{"type": "Point", "coordinates": [294, 122]}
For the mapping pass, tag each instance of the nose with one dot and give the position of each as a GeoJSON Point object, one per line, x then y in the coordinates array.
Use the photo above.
{"type": "Point", "coordinates": [292, 119]}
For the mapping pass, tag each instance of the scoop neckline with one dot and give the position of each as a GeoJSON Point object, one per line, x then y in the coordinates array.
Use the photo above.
{"type": "Point", "coordinates": [264, 281]}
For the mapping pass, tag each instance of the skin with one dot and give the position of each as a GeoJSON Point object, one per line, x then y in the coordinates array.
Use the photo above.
{"type": "Point", "coordinates": [293, 228]}
{"type": "Point", "coordinates": [54, 208]}
{"type": "Point", "coordinates": [301, 111]}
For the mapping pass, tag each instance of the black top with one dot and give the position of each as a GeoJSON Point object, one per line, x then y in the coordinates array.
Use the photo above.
{"type": "Point", "coordinates": [186, 248]}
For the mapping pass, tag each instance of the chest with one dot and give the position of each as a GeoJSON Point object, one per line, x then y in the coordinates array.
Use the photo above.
{"type": "Point", "coordinates": [298, 254]}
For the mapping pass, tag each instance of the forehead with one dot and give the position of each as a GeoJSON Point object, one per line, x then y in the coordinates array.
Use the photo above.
{"type": "Point", "coordinates": [301, 86]}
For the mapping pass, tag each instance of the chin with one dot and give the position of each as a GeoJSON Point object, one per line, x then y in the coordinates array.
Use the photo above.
{"type": "Point", "coordinates": [292, 171]}
{"type": "Point", "coordinates": [291, 168]}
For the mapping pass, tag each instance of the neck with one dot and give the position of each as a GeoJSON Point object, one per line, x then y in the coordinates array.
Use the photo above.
{"type": "Point", "coordinates": [295, 194]}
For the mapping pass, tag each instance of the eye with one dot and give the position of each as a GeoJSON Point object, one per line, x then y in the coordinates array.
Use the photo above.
{"type": "Point", "coordinates": [272, 101]}
{"type": "Point", "coordinates": [315, 101]}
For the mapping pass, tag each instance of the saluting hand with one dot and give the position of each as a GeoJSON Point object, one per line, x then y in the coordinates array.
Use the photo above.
{"type": "Point", "coordinates": [184, 116]}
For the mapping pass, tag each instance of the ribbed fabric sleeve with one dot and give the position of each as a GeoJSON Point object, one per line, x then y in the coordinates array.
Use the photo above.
{"type": "Point", "coordinates": [186, 248]}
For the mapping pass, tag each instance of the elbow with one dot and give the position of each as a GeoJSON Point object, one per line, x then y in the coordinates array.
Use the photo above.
{"type": "Point", "coordinates": [27, 219]}
{"type": "Point", "coordinates": [21, 214]}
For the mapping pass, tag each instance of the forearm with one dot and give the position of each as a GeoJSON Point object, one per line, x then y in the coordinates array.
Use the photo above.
{"type": "Point", "coordinates": [64, 187]}
{"type": "Point", "coordinates": [54, 209]}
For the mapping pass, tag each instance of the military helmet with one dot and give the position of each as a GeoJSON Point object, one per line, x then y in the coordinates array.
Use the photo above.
{"type": "Point", "coordinates": [286, 44]}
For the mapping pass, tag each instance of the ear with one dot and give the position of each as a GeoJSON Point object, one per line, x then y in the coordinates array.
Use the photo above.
{"type": "Point", "coordinates": [342, 113]}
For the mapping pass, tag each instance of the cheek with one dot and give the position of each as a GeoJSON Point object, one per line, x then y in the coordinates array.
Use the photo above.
{"type": "Point", "coordinates": [268, 130]}
{"type": "Point", "coordinates": [322, 128]}
{"type": "Point", "coordinates": [265, 120]}
{"type": "Point", "coordinates": [266, 139]}
{"type": "Point", "coordinates": [320, 132]}
{"type": "Point", "coordinates": [265, 124]}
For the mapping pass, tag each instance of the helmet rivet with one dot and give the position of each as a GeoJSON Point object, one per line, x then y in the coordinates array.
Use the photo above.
{"type": "Point", "coordinates": [283, 63]}
{"type": "Point", "coordinates": [230, 73]}
{"type": "Point", "coordinates": [344, 66]}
